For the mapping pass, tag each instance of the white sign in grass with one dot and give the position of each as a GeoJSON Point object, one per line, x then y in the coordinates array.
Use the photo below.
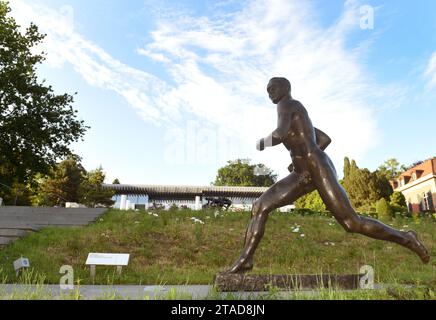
{"type": "Point", "coordinates": [107, 259]}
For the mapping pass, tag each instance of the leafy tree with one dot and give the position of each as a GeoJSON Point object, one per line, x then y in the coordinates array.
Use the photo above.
{"type": "Point", "coordinates": [37, 126]}
{"type": "Point", "coordinates": [384, 210]}
{"type": "Point", "coordinates": [398, 199]}
{"type": "Point", "coordinates": [91, 192]}
{"type": "Point", "coordinates": [363, 186]}
{"type": "Point", "coordinates": [311, 201]}
{"type": "Point", "coordinates": [241, 173]}
{"type": "Point", "coordinates": [63, 185]}
{"type": "Point", "coordinates": [398, 202]}
{"type": "Point", "coordinates": [116, 181]}
{"type": "Point", "coordinates": [391, 168]}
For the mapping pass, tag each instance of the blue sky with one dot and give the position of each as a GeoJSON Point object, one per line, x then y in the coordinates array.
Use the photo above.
{"type": "Point", "coordinates": [174, 89]}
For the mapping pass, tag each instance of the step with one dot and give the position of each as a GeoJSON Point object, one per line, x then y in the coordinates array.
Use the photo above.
{"type": "Point", "coordinates": [46, 216]}
{"type": "Point", "coordinates": [7, 240]}
{"type": "Point", "coordinates": [17, 209]}
{"type": "Point", "coordinates": [12, 232]}
{"type": "Point", "coordinates": [17, 225]}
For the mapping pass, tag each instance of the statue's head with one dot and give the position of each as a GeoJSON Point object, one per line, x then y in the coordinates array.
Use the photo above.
{"type": "Point", "coordinates": [278, 88]}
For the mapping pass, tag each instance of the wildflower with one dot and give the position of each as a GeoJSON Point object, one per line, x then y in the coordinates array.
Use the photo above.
{"type": "Point", "coordinates": [302, 235]}
{"type": "Point", "coordinates": [155, 214]}
{"type": "Point", "coordinates": [101, 219]}
{"type": "Point", "coordinates": [296, 230]}
{"type": "Point", "coordinates": [136, 222]}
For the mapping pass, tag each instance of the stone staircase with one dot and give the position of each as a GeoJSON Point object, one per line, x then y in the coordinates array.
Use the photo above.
{"type": "Point", "coordinates": [17, 222]}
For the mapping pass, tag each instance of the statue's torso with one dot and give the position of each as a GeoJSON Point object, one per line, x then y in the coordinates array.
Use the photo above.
{"type": "Point", "coordinates": [300, 139]}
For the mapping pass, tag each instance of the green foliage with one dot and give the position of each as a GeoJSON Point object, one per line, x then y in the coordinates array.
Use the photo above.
{"type": "Point", "coordinates": [398, 199]}
{"type": "Point", "coordinates": [62, 185]}
{"type": "Point", "coordinates": [311, 201]}
{"type": "Point", "coordinates": [390, 169]}
{"type": "Point", "coordinates": [70, 182]}
{"type": "Point", "coordinates": [384, 210]}
{"type": "Point", "coordinates": [241, 173]}
{"type": "Point", "coordinates": [398, 202]}
{"type": "Point", "coordinates": [116, 181]}
{"type": "Point", "coordinates": [37, 126]}
{"type": "Point", "coordinates": [91, 192]}
{"type": "Point", "coordinates": [363, 186]}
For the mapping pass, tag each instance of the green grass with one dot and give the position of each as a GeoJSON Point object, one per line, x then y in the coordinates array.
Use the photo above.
{"type": "Point", "coordinates": [172, 249]}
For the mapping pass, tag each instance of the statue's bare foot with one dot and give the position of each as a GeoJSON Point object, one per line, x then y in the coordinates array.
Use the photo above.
{"type": "Point", "coordinates": [240, 266]}
{"type": "Point", "coordinates": [417, 246]}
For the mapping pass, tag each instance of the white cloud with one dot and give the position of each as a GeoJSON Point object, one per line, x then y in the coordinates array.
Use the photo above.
{"type": "Point", "coordinates": [431, 70]}
{"type": "Point", "coordinates": [219, 68]}
{"type": "Point", "coordinates": [64, 45]}
{"type": "Point", "coordinates": [222, 66]}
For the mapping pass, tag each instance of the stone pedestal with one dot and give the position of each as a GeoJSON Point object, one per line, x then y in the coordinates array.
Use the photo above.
{"type": "Point", "coordinates": [225, 282]}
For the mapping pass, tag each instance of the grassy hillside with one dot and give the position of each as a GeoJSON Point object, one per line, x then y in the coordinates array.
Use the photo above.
{"type": "Point", "coordinates": [170, 248]}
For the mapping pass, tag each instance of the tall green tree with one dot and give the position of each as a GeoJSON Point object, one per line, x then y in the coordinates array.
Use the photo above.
{"type": "Point", "coordinates": [241, 173]}
{"type": "Point", "coordinates": [37, 125]}
{"type": "Point", "coordinates": [63, 185]}
{"type": "Point", "coordinates": [92, 193]}
{"type": "Point", "coordinates": [364, 187]}
{"type": "Point", "coordinates": [391, 168]}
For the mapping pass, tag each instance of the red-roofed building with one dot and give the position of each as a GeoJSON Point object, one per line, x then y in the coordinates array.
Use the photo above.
{"type": "Point", "coordinates": [418, 185]}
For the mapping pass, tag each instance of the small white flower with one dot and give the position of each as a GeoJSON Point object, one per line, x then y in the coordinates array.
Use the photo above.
{"type": "Point", "coordinates": [296, 230]}
{"type": "Point", "coordinates": [155, 214]}
{"type": "Point", "coordinates": [302, 235]}
{"type": "Point", "coordinates": [405, 226]}
{"type": "Point", "coordinates": [136, 222]}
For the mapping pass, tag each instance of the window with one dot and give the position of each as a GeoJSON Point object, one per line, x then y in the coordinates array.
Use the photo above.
{"type": "Point", "coordinates": [427, 201]}
{"type": "Point", "coordinates": [430, 203]}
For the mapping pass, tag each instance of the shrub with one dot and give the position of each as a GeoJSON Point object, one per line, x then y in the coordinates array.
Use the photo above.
{"type": "Point", "coordinates": [384, 210]}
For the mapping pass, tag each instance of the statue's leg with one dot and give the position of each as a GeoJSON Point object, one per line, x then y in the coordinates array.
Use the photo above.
{"type": "Point", "coordinates": [282, 193]}
{"type": "Point", "coordinates": [336, 201]}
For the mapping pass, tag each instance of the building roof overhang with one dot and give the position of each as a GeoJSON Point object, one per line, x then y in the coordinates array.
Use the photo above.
{"type": "Point", "coordinates": [171, 192]}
